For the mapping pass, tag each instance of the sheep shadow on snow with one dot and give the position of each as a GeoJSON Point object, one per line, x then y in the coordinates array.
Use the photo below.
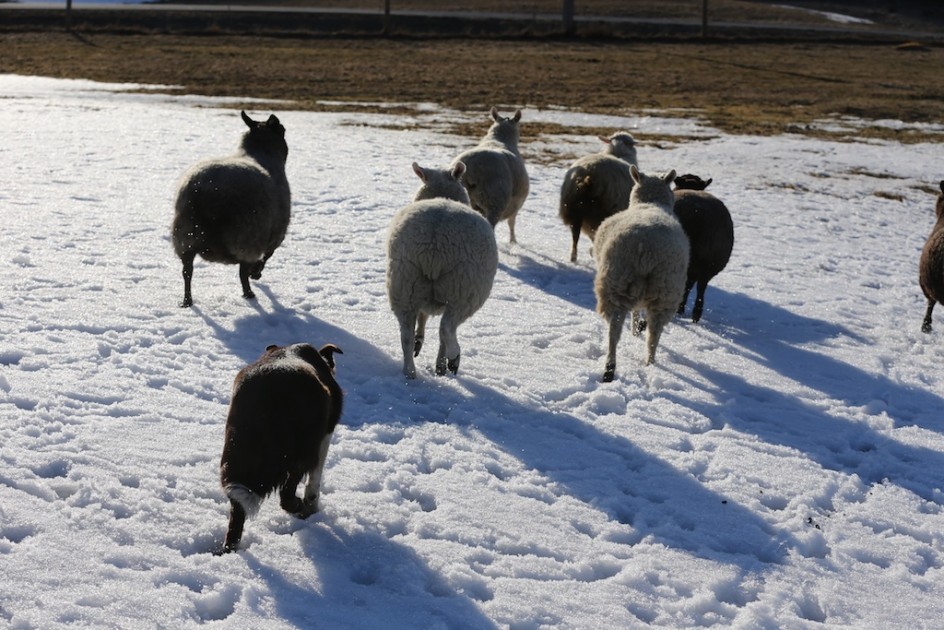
{"type": "Point", "coordinates": [567, 281]}
{"type": "Point", "coordinates": [835, 442]}
{"type": "Point", "coordinates": [627, 484]}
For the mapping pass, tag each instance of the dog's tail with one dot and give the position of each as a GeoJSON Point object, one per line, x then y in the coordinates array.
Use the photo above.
{"type": "Point", "coordinates": [249, 500]}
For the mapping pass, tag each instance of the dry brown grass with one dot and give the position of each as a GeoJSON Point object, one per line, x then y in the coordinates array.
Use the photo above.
{"type": "Point", "coordinates": [740, 87]}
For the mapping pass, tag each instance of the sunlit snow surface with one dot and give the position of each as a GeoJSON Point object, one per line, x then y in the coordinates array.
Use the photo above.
{"type": "Point", "coordinates": [781, 466]}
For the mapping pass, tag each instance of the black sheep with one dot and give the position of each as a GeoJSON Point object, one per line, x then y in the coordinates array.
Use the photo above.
{"type": "Point", "coordinates": [710, 231]}
{"type": "Point", "coordinates": [283, 412]}
{"type": "Point", "coordinates": [235, 210]}
{"type": "Point", "coordinates": [931, 267]}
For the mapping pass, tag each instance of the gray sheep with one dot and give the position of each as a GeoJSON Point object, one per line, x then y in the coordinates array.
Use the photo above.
{"type": "Point", "coordinates": [235, 210]}
{"type": "Point", "coordinates": [641, 256]}
{"type": "Point", "coordinates": [441, 259]}
{"type": "Point", "coordinates": [283, 412]}
{"type": "Point", "coordinates": [597, 186]}
{"type": "Point", "coordinates": [710, 231]}
{"type": "Point", "coordinates": [495, 176]}
{"type": "Point", "coordinates": [931, 266]}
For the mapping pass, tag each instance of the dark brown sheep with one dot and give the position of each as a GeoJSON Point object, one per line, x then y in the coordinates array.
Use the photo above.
{"type": "Point", "coordinates": [283, 412]}
{"type": "Point", "coordinates": [931, 267]}
{"type": "Point", "coordinates": [597, 186]}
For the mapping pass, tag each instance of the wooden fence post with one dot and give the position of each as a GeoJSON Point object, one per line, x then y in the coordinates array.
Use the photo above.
{"type": "Point", "coordinates": [568, 17]}
{"type": "Point", "coordinates": [704, 18]}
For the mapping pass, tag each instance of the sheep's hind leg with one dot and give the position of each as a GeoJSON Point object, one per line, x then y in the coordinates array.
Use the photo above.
{"type": "Point", "coordinates": [688, 289]}
{"type": "Point", "coordinates": [657, 322]}
{"type": "Point", "coordinates": [187, 260]}
{"type": "Point", "coordinates": [420, 333]}
{"type": "Point", "coordinates": [699, 301]}
{"type": "Point", "coordinates": [616, 330]}
{"type": "Point", "coordinates": [448, 357]}
{"type": "Point", "coordinates": [575, 233]}
{"type": "Point", "coordinates": [245, 270]}
{"type": "Point", "coordinates": [511, 229]}
{"type": "Point", "coordinates": [313, 485]}
{"type": "Point", "coordinates": [926, 324]}
{"type": "Point", "coordinates": [407, 342]}
{"type": "Point", "coordinates": [234, 533]}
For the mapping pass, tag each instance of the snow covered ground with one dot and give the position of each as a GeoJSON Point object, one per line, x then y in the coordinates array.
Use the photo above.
{"type": "Point", "coordinates": [781, 466]}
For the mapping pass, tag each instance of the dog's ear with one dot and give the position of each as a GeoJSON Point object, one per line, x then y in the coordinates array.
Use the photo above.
{"type": "Point", "coordinates": [328, 351]}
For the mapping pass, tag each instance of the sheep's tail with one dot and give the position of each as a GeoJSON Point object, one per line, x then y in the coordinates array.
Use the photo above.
{"type": "Point", "coordinates": [249, 500]}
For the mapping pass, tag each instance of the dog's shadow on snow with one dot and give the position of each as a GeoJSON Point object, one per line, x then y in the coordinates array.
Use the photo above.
{"type": "Point", "coordinates": [367, 581]}
{"type": "Point", "coordinates": [772, 336]}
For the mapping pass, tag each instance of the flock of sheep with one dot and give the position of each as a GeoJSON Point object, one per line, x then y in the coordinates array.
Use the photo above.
{"type": "Point", "coordinates": [651, 244]}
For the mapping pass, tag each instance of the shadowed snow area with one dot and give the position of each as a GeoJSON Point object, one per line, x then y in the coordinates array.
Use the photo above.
{"type": "Point", "coordinates": [781, 465]}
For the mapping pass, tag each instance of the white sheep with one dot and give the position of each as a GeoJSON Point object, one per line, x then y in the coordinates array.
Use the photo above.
{"type": "Point", "coordinates": [597, 186]}
{"type": "Point", "coordinates": [642, 258]}
{"type": "Point", "coordinates": [441, 259]}
{"type": "Point", "coordinates": [235, 210]}
{"type": "Point", "coordinates": [495, 176]}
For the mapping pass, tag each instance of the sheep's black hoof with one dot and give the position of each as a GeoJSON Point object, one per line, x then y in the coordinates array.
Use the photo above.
{"type": "Point", "coordinates": [609, 374]}
{"type": "Point", "coordinates": [249, 295]}
{"type": "Point", "coordinates": [417, 346]}
{"type": "Point", "coordinates": [225, 549]}
{"type": "Point", "coordinates": [453, 365]}
{"type": "Point", "coordinates": [639, 328]}
{"type": "Point", "coordinates": [926, 328]}
{"type": "Point", "coordinates": [186, 303]}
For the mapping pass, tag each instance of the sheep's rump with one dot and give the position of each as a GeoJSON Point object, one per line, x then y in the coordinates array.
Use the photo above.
{"type": "Point", "coordinates": [230, 211]}
{"type": "Point", "coordinates": [708, 224]}
{"type": "Point", "coordinates": [595, 187]}
{"type": "Point", "coordinates": [931, 267]}
{"type": "Point", "coordinates": [278, 416]}
{"type": "Point", "coordinates": [496, 180]}
{"type": "Point", "coordinates": [642, 259]}
{"type": "Point", "coordinates": [440, 252]}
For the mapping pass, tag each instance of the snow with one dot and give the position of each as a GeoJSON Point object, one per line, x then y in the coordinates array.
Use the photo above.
{"type": "Point", "coordinates": [829, 15]}
{"type": "Point", "coordinates": [781, 466]}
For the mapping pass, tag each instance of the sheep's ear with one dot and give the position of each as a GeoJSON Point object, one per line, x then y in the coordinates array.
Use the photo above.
{"type": "Point", "coordinates": [328, 351]}
{"type": "Point", "coordinates": [252, 124]}
{"type": "Point", "coordinates": [271, 347]}
{"type": "Point", "coordinates": [707, 183]}
{"type": "Point", "coordinates": [669, 177]}
{"type": "Point", "coordinates": [604, 139]}
{"type": "Point", "coordinates": [634, 172]}
{"type": "Point", "coordinates": [517, 117]}
{"type": "Point", "coordinates": [273, 120]}
{"type": "Point", "coordinates": [458, 170]}
{"type": "Point", "coordinates": [419, 171]}
{"type": "Point", "coordinates": [494, 114]}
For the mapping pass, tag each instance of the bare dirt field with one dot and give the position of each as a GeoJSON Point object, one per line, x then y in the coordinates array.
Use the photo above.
{"type": "Point", "coordinates": [741, 85]}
